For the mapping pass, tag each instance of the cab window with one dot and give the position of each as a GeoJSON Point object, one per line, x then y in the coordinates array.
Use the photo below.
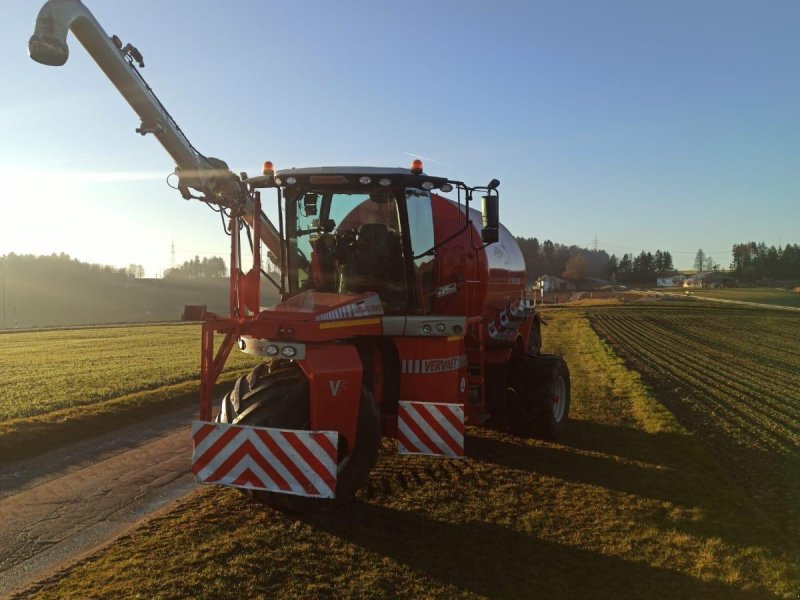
{"type": "Point", "coordinates": [420, 225]}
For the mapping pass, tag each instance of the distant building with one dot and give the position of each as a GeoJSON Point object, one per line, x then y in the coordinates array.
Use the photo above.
{"type": "Point", "coordinates": [710, 279]}
{"type": "Point", "coordinates": [551, 283]}
{"type": "Point", "coordinates": [671, 281]}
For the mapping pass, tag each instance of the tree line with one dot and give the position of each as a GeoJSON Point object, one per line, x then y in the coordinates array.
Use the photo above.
{"type": "Point", "coordinates": [644, 268]}
{"type": "Point", "coordinates": [573, 262]}
{"type": "Point", "coordinates": [753, 261]}
{"type": "Point", "coordinates": [576, 263]}
{"type": "Point", "coordinates": [208, 267]}
{"type": "Point", "coordinates": [58, 268]}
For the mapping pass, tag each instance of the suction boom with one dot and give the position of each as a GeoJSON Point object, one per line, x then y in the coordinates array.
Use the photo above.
{"type": "Point", "coordinates": [210, 176]}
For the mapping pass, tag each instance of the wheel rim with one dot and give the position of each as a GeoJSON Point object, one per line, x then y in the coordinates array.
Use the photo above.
{"type": "Point", "coordinates": [559, 399]}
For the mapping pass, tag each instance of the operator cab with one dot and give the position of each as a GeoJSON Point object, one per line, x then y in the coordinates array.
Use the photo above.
{"type": "Point", "coordinates": [351, 230]}
{"type": "Point", "coordinates": [347, 243]}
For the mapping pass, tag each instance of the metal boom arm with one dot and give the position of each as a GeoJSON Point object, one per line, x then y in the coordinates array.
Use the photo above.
{"type": "Point", "coordinates": [211, 176]}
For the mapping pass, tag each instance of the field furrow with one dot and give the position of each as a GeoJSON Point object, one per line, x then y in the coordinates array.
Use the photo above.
{"type": "Point", "coordinates": [726, 373]}
{"type": "Point", "coordinates": [730, 376]}
{"type": "Point", "coordinates": [736, 368]}
{"type": "Point", "coordinates": [741, 419]}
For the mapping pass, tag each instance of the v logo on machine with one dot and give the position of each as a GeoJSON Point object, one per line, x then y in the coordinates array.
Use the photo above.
{"type": "Point", "coordinates": [337, 386]}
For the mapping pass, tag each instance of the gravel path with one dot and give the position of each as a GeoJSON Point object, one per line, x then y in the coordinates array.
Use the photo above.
{"type": "Point", "coordinates": [58, 507]}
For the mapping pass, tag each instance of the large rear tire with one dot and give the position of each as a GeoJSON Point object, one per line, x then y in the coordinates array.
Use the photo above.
{"type": "Point", "coordinates": [535, 336]}
{"type": "Point", "coordinates": [539, 395]}
{"type": "Point", "coordinates": [278, 396]}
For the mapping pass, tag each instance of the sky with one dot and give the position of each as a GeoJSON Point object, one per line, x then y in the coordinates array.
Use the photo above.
{"type": "Point", "coordinates": [643, 125]}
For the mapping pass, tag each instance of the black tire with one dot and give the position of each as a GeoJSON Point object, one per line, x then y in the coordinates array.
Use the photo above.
{"type": "Point", "coordinates": [278, 396]}
{"type": "Point", "coordinates": [534, 383]}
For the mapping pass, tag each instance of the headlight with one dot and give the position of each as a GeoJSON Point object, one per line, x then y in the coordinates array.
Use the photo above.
{"type": "Point", "coordinates": [446, 187]}
{"type": "Point", "coordinates": [427, 185]}
{"type": "Point", "coordinates": [272, 350]}
{"type": "Point", "coordinates": [365, 180]}
{"type": "Point", "coordinates": [291, 180]}
{"type": "Point", "coordinates": [440, 327]}
{"type": "Point", "coordinates": [385, 182]}
{"type": "Point", "coordinates": [426, 329]}
{"type": "Point", "coordinates": [288, 351]}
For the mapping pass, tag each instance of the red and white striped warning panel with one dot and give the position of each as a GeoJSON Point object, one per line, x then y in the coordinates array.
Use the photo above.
{"type": "Point", "coordinates": [291, 461]}
{"type": "Point", "coordinates": [432, 428]}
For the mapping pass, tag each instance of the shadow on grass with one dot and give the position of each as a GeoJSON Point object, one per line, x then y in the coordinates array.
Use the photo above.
{"type": "Point", "coordinates": [770, 478]}
{"type": "Point", "coordinates": [661, 466]}
{"type": "Point", "coordinates": [497, 562]}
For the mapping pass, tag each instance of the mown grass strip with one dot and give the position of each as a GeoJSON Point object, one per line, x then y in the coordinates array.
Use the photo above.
{"type": "Point", "coordinates": [756, 295]}
{"type": "Point", "coordinates": [630, 505]}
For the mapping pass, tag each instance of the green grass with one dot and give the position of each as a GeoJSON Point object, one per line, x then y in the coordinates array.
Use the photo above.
{"type": "Point", "coordinates": [630, 505]}
{"type": "Point", "coordinates": [64, 385]}
{"type": "Point", "coordinates": [758, 295]}
{"type": "Point", "coordinates": [49, 371]}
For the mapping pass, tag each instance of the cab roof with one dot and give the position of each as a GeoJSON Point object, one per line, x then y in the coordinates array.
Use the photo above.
{"type": "Point", "coordinates": [345, 176]}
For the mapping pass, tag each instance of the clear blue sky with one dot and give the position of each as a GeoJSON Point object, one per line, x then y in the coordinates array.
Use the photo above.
{"type": "Point", "coordinates": [672, 125]}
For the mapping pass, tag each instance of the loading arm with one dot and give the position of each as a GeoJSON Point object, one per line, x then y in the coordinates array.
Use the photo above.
{"type": "Point", "coordinates": [210, 176]}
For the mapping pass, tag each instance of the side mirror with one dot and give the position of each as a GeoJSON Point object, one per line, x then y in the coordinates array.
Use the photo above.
{"type": "Point", "coordinates": [491, 219]}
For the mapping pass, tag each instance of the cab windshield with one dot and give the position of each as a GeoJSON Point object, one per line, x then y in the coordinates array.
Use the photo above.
{"type": "Point", "coordinates": [348, 244]}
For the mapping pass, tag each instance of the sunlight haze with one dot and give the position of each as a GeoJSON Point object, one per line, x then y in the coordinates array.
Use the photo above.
{"type": "Point", "coordinates": [673, 126]}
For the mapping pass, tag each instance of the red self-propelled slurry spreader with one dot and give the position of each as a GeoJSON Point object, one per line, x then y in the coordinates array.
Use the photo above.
{"type": "Point", "coordinates": [402, 314]}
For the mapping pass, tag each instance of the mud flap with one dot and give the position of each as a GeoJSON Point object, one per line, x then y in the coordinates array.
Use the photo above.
{"type": "Point", "coordinates": [301, 463]}
{"type": "Point", "coordinates": [430, 428]}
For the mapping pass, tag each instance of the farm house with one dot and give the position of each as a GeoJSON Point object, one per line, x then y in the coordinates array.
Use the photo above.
{"type": "Point", "coordinates": [672, 281]}
{"type": "Point", "coordinates": [551, 283]}
{"type": "Point", "coordinates": [710, 279]}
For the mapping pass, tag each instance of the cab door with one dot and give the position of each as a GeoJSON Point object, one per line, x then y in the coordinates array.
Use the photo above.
{"type": "Point", "coordinates": [420, 227]}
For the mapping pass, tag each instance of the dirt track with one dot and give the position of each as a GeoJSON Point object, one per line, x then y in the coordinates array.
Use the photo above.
{"type": "Point", "coordinates": [57, 507]}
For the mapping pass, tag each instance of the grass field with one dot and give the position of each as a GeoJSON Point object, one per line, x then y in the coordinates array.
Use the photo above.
{"type": "Point", "coordinates": [758, 295]}
{"type": "Point", "coordinates": [629, 505]}
{"type": "Point", "coordinates": [51, 370]}
{"type": "Point", "coordinates": [62, 385]}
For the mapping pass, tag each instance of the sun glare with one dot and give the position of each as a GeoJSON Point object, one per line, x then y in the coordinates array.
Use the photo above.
{"type": "Point", "coordinates": [47, 211]}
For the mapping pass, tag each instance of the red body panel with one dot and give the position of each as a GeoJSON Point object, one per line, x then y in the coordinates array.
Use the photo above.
{"type": "Point", "coordinates": [432, 369]}
{"type": "Point", "coordinates": [334, 375]}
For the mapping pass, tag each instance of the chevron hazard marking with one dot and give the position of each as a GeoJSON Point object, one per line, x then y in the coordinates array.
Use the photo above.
{"type": "Point", "coordinates": [432, 428]}
{"type": "Point", "coordinates": [290, 461]}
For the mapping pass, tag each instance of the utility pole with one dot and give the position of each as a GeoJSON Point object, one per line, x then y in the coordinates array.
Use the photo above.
{"type": "Point", "coordinates": [595, 242]}
{"type": "Point", "coordinates": [172, 258]}
{"type": "Point", "coordinates": [3, 322]}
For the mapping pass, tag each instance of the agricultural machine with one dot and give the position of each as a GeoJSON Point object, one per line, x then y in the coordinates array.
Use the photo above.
{"type": "Point", "coordinates": [402, 313]}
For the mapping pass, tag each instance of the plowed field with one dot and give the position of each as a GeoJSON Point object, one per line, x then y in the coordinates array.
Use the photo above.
{"type": "Point", "coordinates": [732, 376]}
